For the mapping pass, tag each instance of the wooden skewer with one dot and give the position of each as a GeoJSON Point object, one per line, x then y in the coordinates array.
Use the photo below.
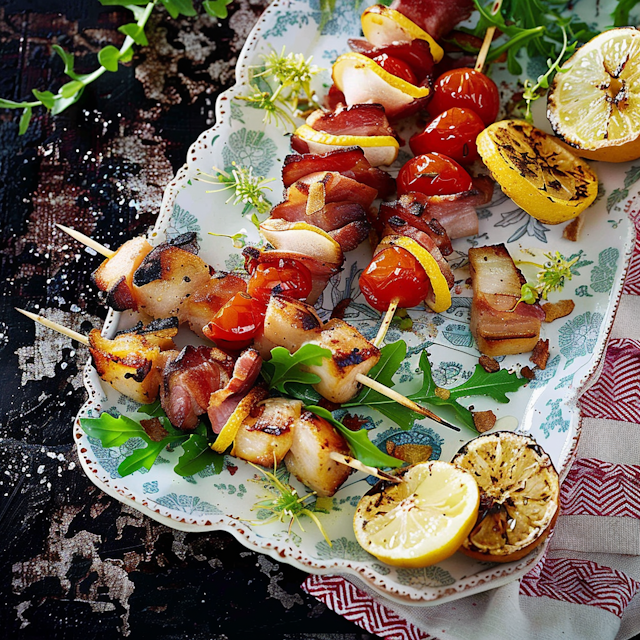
{"type": "Point", "coordinates": [365, 380]}
{"type": "Point", "coordinates": [403, 400]}
{"type": "Point", "coordinates": [74, 335]}
{"type": "Point", "coordinates": [484, 49]}
{"type": "Point", "coordinates": [87, 241]}
{"type": "Point", "coordinates": [386, 323]}
{"type": "Point", "coordinates": [356, 464]}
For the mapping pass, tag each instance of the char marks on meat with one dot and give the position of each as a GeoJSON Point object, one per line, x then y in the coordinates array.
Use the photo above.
{"type": "Point", "coordinates": [436, 17]}
{"type": "Point", "coordinates": [222, 402]}
{"type": "Point", "coordinates": [351, 235]}
{"type": "Point", "coordinates": [189, 379]}
{"type": "Point", "coordinates": [349, 161]}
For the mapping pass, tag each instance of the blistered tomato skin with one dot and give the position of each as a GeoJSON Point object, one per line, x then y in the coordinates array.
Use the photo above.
{"type": "Point", "coordinates": [466, 88]}
{"type": "Point", "coordinates": [433, 174]}
{"type": "Point", "coordinates": [237, 323]}
{"type": "Point", "coordinates": [396, 67]}
{"type": "Point", "coordinates": [284, 276]}
{"type": "Point", "coordinates": [394, 274]}
{"type": "Point", "coordinates": [452, 133]}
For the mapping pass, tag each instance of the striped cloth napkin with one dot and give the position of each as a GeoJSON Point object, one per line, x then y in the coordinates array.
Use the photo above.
{"type": "Point", "coordinates": [588, 583]}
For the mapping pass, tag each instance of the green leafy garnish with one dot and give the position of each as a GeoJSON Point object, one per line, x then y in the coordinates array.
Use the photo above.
{"type": "Point", "coordinates": [286, 503]}
{"type": "Point", "coordinates": [247, 188]}
{"type": "Point", "coordinates": [359, 443]}
{"type": "Point", "coordinates": [114, 432]}
{"type": "Point", "coordinates": [552, 277]}
{"type": "Point", "coordinates": [481, 383]}
{"type": "Point", "coordinates": [281, 87]}
{"type": "Point", "coordinates": [285, 368]}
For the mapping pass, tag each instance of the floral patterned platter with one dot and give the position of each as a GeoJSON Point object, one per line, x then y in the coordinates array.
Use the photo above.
{"type": "Point", "coordinates": [546, 408]}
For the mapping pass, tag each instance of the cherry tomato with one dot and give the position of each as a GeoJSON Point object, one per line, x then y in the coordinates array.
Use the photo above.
{"type": "Point", "coordinates": [466, 88]}
{"type": "Point", "coordinates": [285, 276]}
{"type": "Point", "coordinates": [433, 174]}
{"type": "Point", "coordinates": [237, 323]}
{"type": "Point", "coordinates": [453, 133]}
{"type": "Point", "coordinates": [394, 274]}
{"type": "Point", "coordinates": [396, 67]}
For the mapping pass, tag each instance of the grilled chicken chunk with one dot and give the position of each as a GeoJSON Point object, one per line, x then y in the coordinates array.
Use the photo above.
{"type": "Point", "coordinates": [498, 325]}
{"type": "Point", "coordinates": [267, 434]}
{"type": "Point", "coordinates": [291, 323]}
{"type": "Point", "coordinates": [129, 361]}
{"type": "Point", "coordinates": [168, 276]}
{"type": "Point", "coordinates": [115, 274]}
{"type": "Point", "coordinates": [308, 459]}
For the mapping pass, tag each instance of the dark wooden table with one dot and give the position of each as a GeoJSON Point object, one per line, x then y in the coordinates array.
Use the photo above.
{"type": "Point", "coordinates": [74, 562]}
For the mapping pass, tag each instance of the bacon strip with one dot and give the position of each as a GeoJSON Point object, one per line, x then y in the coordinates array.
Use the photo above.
{"type": "Point", "coordinates": [223, 401]}
{"type": "Point", "coordinates": [189, 379]}
{"type": "Point", "coordinates": [349, 161]}
{"type": "Point", "coordinates": [436, 17]}
{"type": "Point", "coordinates": [356, 120]}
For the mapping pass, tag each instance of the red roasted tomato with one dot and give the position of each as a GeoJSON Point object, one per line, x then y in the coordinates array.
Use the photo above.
{"type": "Point", "coordinates": [284, 276]}
{"type": "Point", "coordinates": [433, 174]}
{"type": "Point", "coordinates": [394, 274]}
{"type": "Point", "coordinates": [452, 133]}
{"type": "Point", "coordinates": [466, 88]}
{"type": "Point", "coordinates": [396, 67]}
{"type": "Point", "coordinates": [237, 323]}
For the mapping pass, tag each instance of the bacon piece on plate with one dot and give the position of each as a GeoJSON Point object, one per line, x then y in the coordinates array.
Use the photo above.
{"type": "Point", "coordinates": [412, 208]}
{"type": "Point", "coordinates": [267, 433]}
{"type": "Point", "coordinates": [332, 216]}
{"type": "Point", "coordinates": [349, 161]}
{"type": "Point", "coordinates": [498, 325]}
{"type": "Point", "coordinates": [308, 459]}
{"type": "Point", "coordinates": [225, 400]}
{"type": "Point", "coordinates": [436, 17]}
{"type": "Point", "coordinates": [189, 379]}
{"type": "Point", "coordinates": [417, 54]}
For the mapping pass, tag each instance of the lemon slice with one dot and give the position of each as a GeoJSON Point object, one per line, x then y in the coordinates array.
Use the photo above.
{"type": "Point", "coordinates": [421, 521]}
{"type": "Point", "coordinates": [364, 81]}
{"type": "Point", "coordinates": [520, 495]}
{"type": "Point", "coordinates": [537, 172]}
{"type": "Point", "coordinates": [378, 150]}
{"type": "Point", "coordinates": [442, 296]}
{"type": "Point", "coordinates": [227, 435]}
{"type": "Point", "coordinates": [382, 26]}
{"type": "Point", "coordinates": [594, 103]}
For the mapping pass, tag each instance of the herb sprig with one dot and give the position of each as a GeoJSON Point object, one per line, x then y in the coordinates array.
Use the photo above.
{"type": "Point", "coordinates": [109, 57]}
{"type": "Point", "coordinates": [551, 277]}
{"type": "Point", "coordinates": [281, 87]}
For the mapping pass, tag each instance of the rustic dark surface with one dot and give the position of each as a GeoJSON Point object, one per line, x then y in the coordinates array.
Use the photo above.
{"type": "Point", "coordinates": [74, 562]}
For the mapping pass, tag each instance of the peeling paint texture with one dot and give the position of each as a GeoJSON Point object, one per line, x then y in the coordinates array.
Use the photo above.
{"type": "Point", "coordinates": [75, 563]}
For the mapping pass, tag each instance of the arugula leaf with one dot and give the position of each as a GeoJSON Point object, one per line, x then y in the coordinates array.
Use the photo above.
{"type": "Point", "coordinates": [146, 456]}
{"type": "Point", "coordinates": [198, 455]}
{"type": "Point", "coordinates": [154, 409]}
{"type": "Point", "coordinates": [391, 357]}
{"type": "Point", "coordinates": [113, 432]}
{"type": "Point", "coordinates": [284, 367]}
{"type": "Point", "coordinates": [359, 443]}
{"type": "Point", "coordinates": [304, 392]}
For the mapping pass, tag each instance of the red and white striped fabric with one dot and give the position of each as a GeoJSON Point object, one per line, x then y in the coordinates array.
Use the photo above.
{"type": "Point", "coordinates": [588, 584]}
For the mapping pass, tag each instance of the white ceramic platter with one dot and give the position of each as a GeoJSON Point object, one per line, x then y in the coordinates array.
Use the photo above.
{"type": "Point", "coordinates": [545, 408]}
